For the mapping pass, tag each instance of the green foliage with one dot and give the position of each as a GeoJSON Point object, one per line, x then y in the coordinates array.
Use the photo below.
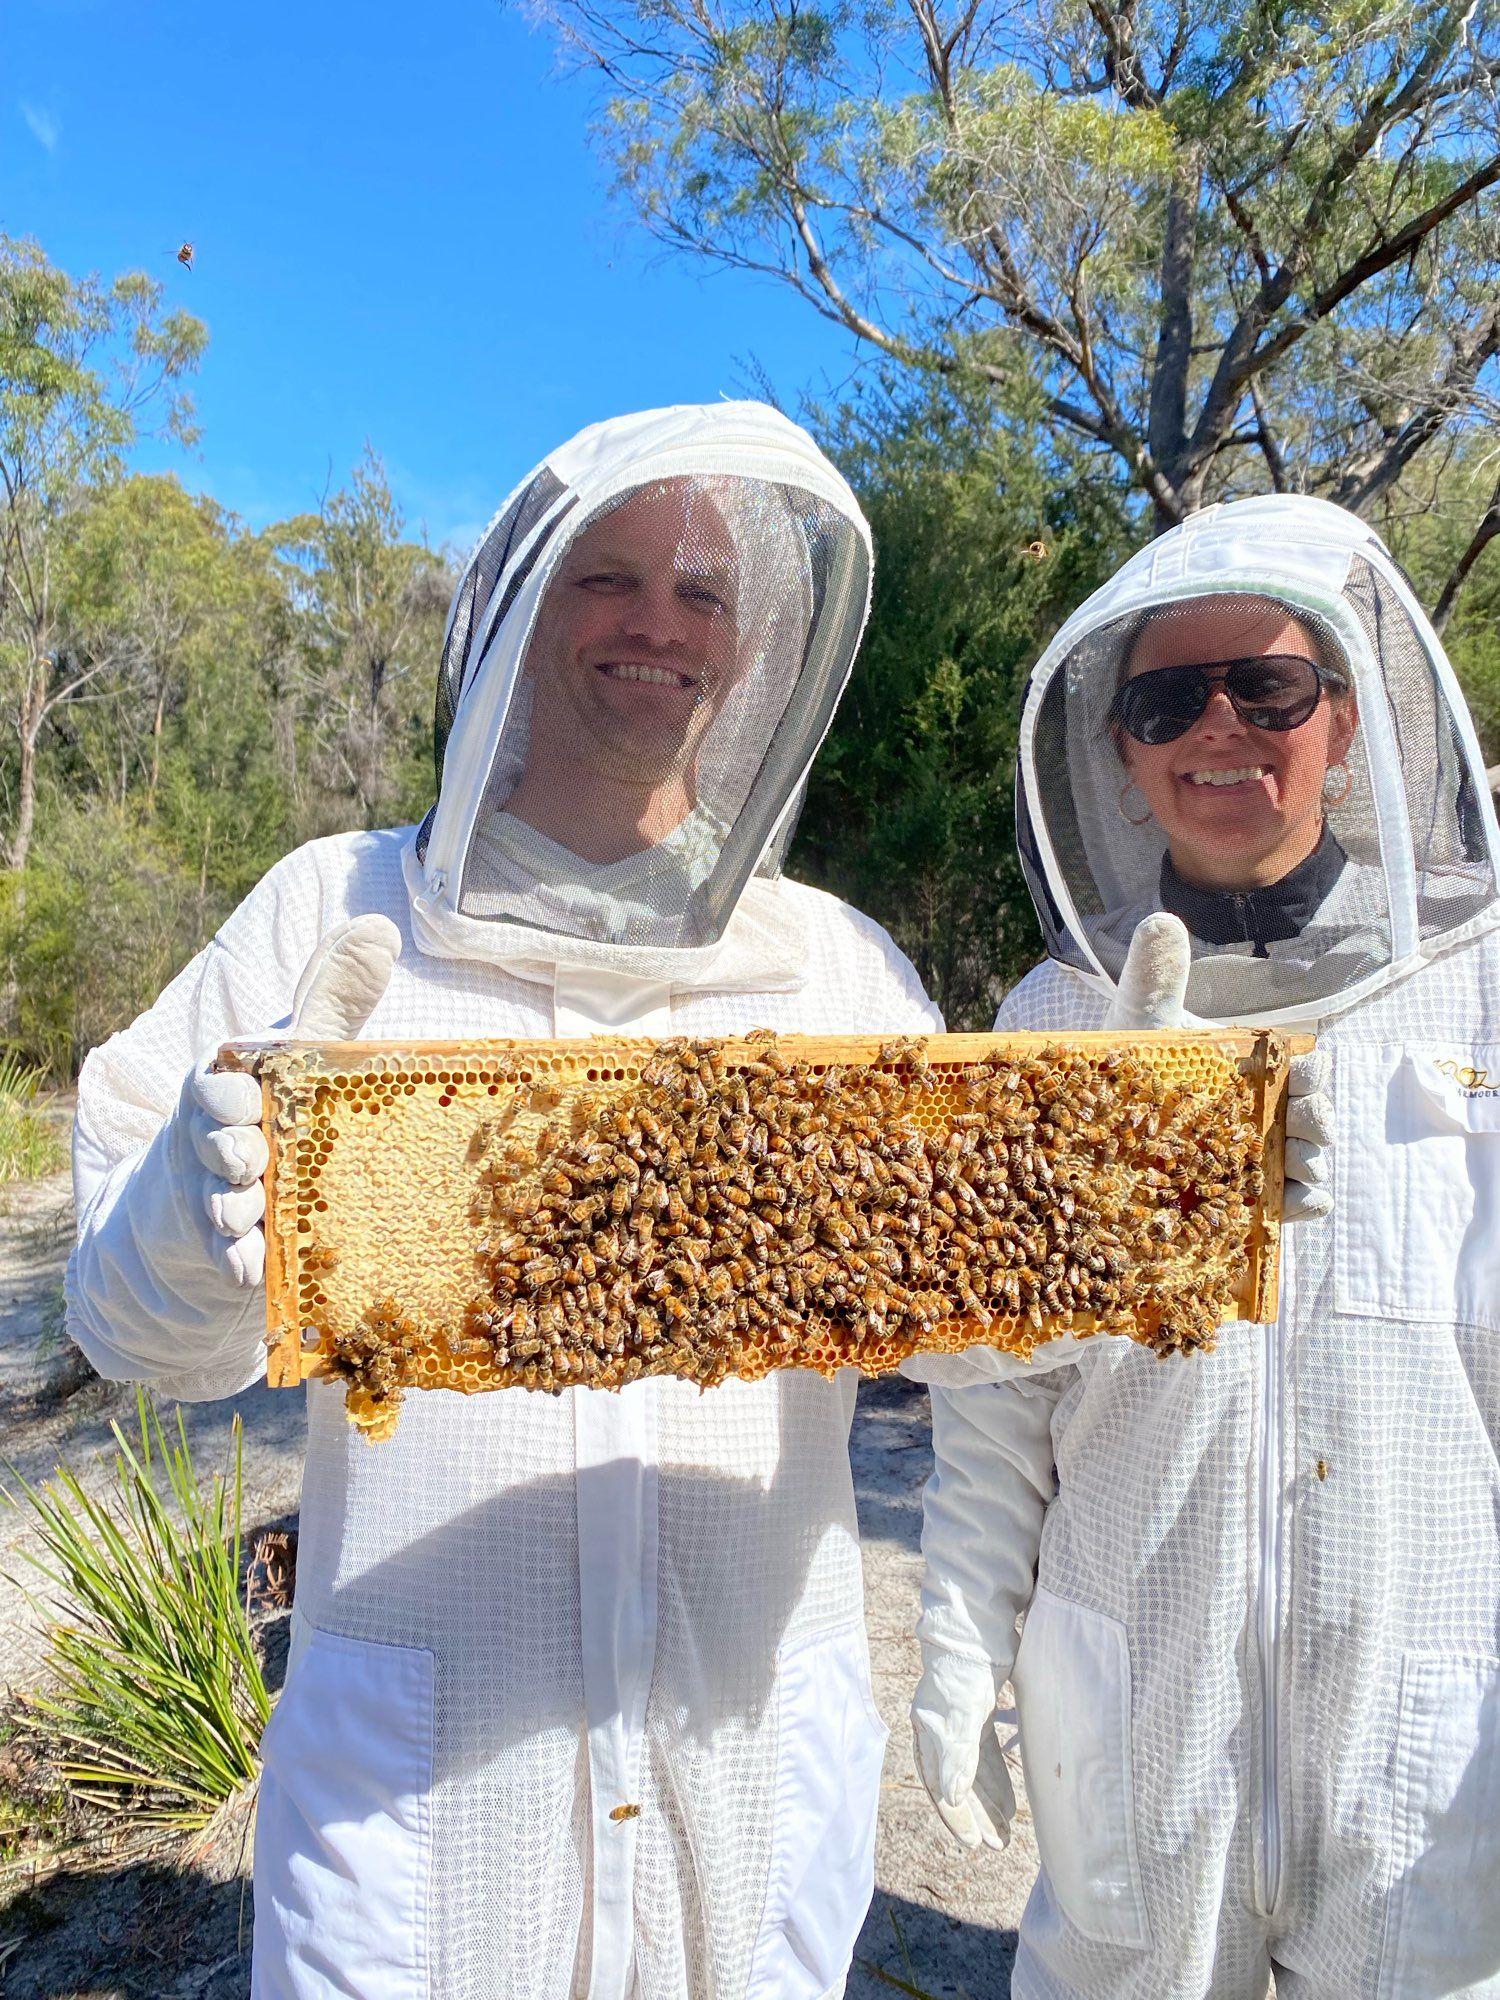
{"type": "Point", "coordinates": [99, 921]}
{"type": "Point", "coordinates": [84, 368]}
{"type": "Point", "coordinates": [1246, 244]}
{"type": "Point", "coordinates": [252, 691]}
{"type": "Point", "coordinates": [29, 1146]}
{"type": "Point", "coordinates": [370, 615]}
{"type": "Point", "coordinates": [985, 540]}
{"type": "Point", "coordinates": [33, 1820]}
{"type": "Point", "coordinates": [80, 363]}
{"type": "Point", "coordinates": [156, 1700]}
{"type": "Point", "coordinates": [182, 701]}
{"type": "Point", "coordinates": [1428, 533]}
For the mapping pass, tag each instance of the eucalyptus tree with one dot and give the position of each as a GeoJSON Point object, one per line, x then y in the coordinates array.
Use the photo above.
{"type": "Point", "coordinates": [368, 607]}
{"type": "Point", "coordinates": [1243, 244]}
{"type": "Point", "coordinates": [85, 367]}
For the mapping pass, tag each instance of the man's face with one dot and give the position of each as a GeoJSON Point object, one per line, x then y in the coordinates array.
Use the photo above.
{"type": "Point", "coordinates": [637, 640]}
{"type": "Point", "coordinates": [1235, 801]}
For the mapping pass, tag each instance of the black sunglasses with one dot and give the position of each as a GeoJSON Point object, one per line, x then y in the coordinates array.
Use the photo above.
{"type": "Point", "coordinates": [1271, 691]}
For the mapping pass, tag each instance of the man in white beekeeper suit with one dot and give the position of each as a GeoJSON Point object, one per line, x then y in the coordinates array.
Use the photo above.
{"type": "Point", "coordinates": [1258, 1680]}
{"type": "Point", "coordinates": [523, 1613]}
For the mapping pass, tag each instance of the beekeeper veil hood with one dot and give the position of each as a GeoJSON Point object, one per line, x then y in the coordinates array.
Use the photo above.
{"type": "Point", "coordinates": [1309, 702]}
{"type": "Point", "coordinates": [644, 652]}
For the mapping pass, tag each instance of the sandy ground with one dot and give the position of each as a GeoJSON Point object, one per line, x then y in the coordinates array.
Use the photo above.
{"type": "Point", "coordinates": [942, 1922]}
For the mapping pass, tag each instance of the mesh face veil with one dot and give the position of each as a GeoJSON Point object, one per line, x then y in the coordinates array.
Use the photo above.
{"type": "Point", "coordinates": [1397, 858]}
{"type": "Point", "coordinates": [644, 652]}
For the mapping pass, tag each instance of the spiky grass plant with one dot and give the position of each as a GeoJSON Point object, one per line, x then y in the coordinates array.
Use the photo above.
{"type": "Point", "coordinates": [156, 1700]}
{"type": "Point", "coordinates": [29, 1146]}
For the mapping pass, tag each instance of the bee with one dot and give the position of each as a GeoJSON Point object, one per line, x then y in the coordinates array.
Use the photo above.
{"type": "Point", "coordinates": [906, 1049]}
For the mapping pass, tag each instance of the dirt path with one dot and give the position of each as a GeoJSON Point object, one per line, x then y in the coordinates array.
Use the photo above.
{"type": "Point", "coordinates": [942, 1921]}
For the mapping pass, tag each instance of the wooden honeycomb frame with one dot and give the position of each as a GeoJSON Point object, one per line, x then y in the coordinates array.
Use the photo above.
{"type": "Point", "coordinates": [373, 1180]}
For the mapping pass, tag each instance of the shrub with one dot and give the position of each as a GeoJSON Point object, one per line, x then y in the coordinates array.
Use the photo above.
{"type": "Point", "coordinates": [29, 1146]}
{"type": "Point", "coordinates": [157, 1700]}
{"type": "Point", "coordinates": [92, 931]}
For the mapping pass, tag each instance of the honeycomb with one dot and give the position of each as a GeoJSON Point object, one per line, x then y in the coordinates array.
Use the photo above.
{"type": "Point", "coordinates": [544, 1214]}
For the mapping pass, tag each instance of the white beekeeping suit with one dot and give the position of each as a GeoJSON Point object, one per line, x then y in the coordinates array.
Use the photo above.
{"type": "Point", "coordinates": [1258, 1676]}
{"type": "Point", "coordinates": [522, 1612]}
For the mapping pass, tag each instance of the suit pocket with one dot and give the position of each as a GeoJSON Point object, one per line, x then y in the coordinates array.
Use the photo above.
{"type": "Point", "coordinates": [343, 1828]}
{"type": "Point", "coordinates": [1443, 1915]}
{"type": "Point", "coordinates": [1072, 1684]}
{"type": "Point", "coordinates": [830, 1752]}
{"type": "Point", "coordinates": [1416, 1223]}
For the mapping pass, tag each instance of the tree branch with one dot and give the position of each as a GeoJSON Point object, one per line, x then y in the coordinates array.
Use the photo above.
{"type": "Point", "coordinates": [1367, 480]}
{"type": "Point", "coordinates": [1378, 258]}
{"type": "Point", "coordinates": [1167, 420]}
{"type": "Point", "coordinates": [1487, 532]}
{"type": "Point", "coordinates": [1122, 56]}
{"type": "Point", "coordinates": [1269, 444]}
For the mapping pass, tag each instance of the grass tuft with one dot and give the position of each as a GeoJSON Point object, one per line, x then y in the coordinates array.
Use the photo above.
{"type": "Point", "coordinates": [29, 1146]}
{"type": "Point", "coordinates": [156, 1700]}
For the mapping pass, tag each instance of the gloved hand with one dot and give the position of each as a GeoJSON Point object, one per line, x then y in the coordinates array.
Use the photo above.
{"type": "Point", "coordinates": [958, 1752]}
{"type": "Point", "coordinates": [220, 1110]}
{"type": "Point", "coordinates": [1305, 1192]}
{"type": "Point", "coordinates": [1150, 994]}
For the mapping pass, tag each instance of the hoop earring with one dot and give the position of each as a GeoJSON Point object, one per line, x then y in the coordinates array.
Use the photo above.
{"type": "Point", "coordinates": [1333, 801]}
{"type": "Point", "coordinates": [1130, 785]}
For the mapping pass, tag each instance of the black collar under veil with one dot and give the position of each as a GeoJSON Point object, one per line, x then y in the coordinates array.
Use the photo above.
{"type": "Point", "coordinates": [1258, 917]}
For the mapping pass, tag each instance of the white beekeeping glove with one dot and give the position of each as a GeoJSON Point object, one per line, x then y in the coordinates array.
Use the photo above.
{"type": "Point", "coordinates": [340, 987]}
{"type": "Point", "coordinates": [1150, 994]}
{"type": "Point", "coordinates": [1305, 1192]}
{"type": "Point", "coordinates": [982, 1514]}
{"type": "Point", "coordinates": [1153, 981]}
{"type": "Point", "coordinates": [958, 1752]}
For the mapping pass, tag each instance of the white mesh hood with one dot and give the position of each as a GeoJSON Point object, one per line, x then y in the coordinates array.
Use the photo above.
{"type": "Point", "coordinates": [644, 652]}
{"type": "Point", "coordinates": [1415, 824]}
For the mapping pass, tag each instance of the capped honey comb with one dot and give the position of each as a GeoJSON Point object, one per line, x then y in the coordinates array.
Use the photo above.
{"type": "Point", "coordinates": [549, 1214]}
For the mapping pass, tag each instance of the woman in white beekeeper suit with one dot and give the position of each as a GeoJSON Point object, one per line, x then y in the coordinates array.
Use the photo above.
{"type": "Point", "coordinates": [579, 1698]}
{"type": "Point", "coordinates": [1258, 1680]}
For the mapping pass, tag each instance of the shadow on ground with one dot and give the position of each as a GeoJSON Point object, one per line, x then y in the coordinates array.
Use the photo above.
{"type": "Point", "coordinates": [129, 1935]}
{"type": "Point", "coordinates": [911, 1949]}
{"type": "Point", "coordinates": [891, 1453]}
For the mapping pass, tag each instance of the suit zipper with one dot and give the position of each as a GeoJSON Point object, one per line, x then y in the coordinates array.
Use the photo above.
{"type": "Point", "coordinates": [1268, 1602]}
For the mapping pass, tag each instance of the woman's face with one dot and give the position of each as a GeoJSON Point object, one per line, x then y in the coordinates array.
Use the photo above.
{"type": "Point", "coordinates": [1240, 806]}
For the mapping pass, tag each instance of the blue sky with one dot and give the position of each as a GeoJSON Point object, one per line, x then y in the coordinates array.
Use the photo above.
{"type": "Point", "coordinates": [401, 234]}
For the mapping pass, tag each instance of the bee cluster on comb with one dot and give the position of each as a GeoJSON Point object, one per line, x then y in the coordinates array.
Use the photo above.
{"type": "Point", "coordinates": [706, 1209]}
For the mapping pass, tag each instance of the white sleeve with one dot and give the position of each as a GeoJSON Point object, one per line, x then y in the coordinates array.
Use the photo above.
{"type": "Point", "coordinates": [885, 987]}
{"type": "Point", "coordinates": [1009, 1015]}
{"type": "Point", "coordinates": [146, 1299]}
{"type": "Point", "coordinates": [982, 1512]}
{"type": "Point", "coordinates": [920, 1015]}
